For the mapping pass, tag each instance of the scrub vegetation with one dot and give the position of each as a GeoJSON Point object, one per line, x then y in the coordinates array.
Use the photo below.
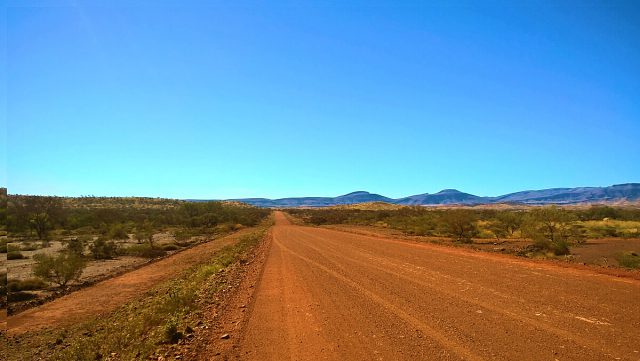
{"type": "Point", "coordinates": [548, 231]}
{"type": "Point", "coordinates": [65, 241]}
{"type": "Point", "coordinates": [139, 328]}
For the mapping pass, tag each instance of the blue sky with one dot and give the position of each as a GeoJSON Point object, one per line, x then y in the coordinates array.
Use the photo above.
{"type": "Point", "coordinates": [240, 99]}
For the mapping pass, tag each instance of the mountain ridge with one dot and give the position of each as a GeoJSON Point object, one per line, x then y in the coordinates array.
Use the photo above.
{"type": "Point", "coordinates": [613, 193]}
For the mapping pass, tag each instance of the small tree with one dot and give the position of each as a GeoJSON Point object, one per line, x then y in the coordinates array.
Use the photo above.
{"type": "Point", "coordinates": [459, 224]}
{"type": "Point", "coordinates": [103, 249]}
{"type": "Point", "coordinates": [552, 229]}
{"type": "Point", "coordinates": [60, 269]}
{"type": "Point", "coordinates": [118, 231]}
{"type": "Point", "coordinates": [43, 213]}
{"type": "Point", "coordinates": [144, 233]}
{"type": "Point", "coordinates": [74, 246]}
{"type": "Point", "coordinates": [510, 221]}
{"type": "Point", "coordinates": [181, 235]}
{"type": "Point", "coordinates": [506, 224]}
{"type": "Point", "coordinates": [498, 230]}
{"type": "Point", "coordinates": [39, 222]}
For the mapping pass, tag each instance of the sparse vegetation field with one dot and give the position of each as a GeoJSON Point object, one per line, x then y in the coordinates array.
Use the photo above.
{"type": "Point", "coordinates": [68, 242]}
{"type": "Point", "coordinates": [600, 235]}
{"type": "Point", "coordinates": [142, 327]}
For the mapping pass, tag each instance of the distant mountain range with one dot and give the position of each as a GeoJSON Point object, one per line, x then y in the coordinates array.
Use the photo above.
{"type": "Point", "coordinates": [614, 193]}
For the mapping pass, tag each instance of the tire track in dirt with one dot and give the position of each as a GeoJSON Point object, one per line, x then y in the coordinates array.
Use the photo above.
{"type": "Point", "coordinates": [477, 273]}
{"type": "Point", "coordinates": [561, 323]}
{"type": "Point", "coordinates": [353, 297]}
{"type": "Point", "coordinates": [431, 332]}
{"type": "Point", "coordinates": [419, 274]}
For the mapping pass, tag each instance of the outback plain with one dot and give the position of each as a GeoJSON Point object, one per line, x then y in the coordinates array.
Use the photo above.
{"type": "Point", "coordinates": [143, 278]}
{"type": "Point", "coordinates": [320, 180]}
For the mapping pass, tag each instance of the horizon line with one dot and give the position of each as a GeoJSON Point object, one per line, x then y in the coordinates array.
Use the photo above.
{"type": "Point", "coordinates": [303, 196]}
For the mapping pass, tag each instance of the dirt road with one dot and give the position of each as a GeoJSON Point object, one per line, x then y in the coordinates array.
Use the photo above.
{"type": "Point", "coordinates": [105, 296]}
{"type": "Point", "coordinates": [330, 295]}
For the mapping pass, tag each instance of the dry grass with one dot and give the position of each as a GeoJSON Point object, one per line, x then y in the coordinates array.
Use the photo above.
{"type": "Point", "coordinates": [623, 227]}
{"type": "Point", "coordinates": [139, 328]}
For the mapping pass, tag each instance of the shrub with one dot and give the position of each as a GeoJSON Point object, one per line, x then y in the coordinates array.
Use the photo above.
{"type": "Point", "coordinates": [103, 249]}
{"type": "Point", "coordinates": [629, 260]}
{"type": "Point", "coordinates": [60, 269]}
{"type": "Point", "coordinates": [559, 247]}
{"type": "Point", "coordinates": [118, 231]}
{"type": "Point", "coordinates": [459, 224]}
{"type": "Point", "coordinates": [144, 232]}
{"type": "Point", "coordinates": [15, 255]}
{"type": "Point", "coordinates": [3, 246]}
{"type": "Point", "coordinates": [143, 236]}
{"type": "Point", "coordinates": [171, 333]}
{"type": "Point", "coordinates": [25, 285]}
{"type": "Point", "coordinates": [143, 250]}
{"type": "Point", "coordinates": [506, 223]}
{"type": "Point", "coordinates": [41, 223]}
{"type": "Point", "coordinates": [552, 229]}
{"type": "Point", "coordinates": [184, 234]}
{"type": "Point", "coordinates": [74, 246]}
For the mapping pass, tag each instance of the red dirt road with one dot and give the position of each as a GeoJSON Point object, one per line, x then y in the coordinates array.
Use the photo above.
{"type": "Point", "coordinates": [105, 296]}
{"type": "Point", "coordinates": [330, 295]}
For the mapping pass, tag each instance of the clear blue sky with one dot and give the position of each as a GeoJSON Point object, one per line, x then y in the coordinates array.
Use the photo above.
{"type": "Point", "coordinates": [191, 100]}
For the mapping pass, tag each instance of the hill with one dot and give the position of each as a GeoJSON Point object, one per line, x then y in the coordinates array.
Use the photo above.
{"type": "Point", "coordinates": [620, 193]}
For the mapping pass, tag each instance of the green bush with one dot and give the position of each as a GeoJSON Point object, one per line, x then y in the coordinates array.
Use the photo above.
{"type": "Point", "coordinates": [103, 249]}
{"type": "Point", "coordinates": [171, 333]}
{"type": "Point", "coordinates": [15, 255]}
{"type": "Point", "coordinates": [506, 224]}
{"type": "Point", "coordinates": [559, 247]}
{"type": "Point", "coordinates": [459, 224]}
{"type": "Point", "coordinates": [60, 269]}
{"type": "Point", "coordinates": [143, 250]}
{"type": "Point", "coordinates": [552, 229]}
{"type": "Point", "coordinates": [75, 246]}
{"type": "Point", "coordinates": [629, 260]}
{"type": "Point", "coordinates": [184, 234]}
{"type": "Point", "coordinates": [26, 285]}
{"type": "Point", "coordinates": [118, 231]}
{"type": "Point", "coordinates": [3, 246]}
